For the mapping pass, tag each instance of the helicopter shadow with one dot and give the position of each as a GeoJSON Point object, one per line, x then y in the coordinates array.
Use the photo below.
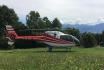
{"type": "Point", "coordinates": [61, 51]}
{"type": "Point", "coordinates": [56, 51]}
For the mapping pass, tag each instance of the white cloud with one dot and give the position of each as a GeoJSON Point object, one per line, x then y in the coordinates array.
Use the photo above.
{"type": "Point", "coordinates": [100, 20]}
{"type": "Point", "coordinates": [65, 21]}
{"type": "Point", "coordinates": [71, 21]}
{"type": "Point", "coordinates": [62, 21]}
{"type": "Point", "coordinates": [78, 20]}
{"type": "Point", "coordinates": [94, 22]}
{"type": "Point", "coordinates": [91, 22]}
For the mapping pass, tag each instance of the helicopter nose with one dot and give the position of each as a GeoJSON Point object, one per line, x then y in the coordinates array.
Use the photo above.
{"type": "Point", "coordinates": [77, 42]}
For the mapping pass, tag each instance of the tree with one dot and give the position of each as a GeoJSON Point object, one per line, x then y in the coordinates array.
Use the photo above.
{"type": "Point", "coordinates": [41, 24]}
{"type": "Point", "coordinates": [99, 38]}
{"type": "Point", "coordinates": [3, 43]}
{"type": "Point", "coordinates": [88, 40]}
{"type": "Point", "coordinates": [102, 36]}
{"type": "Point", "coordinates": [20, 26]}
{"type": "Point", "coordinates": [56, 23]}
{"type": "Point", "coordinates": [7, 17]}
{"type": "Point", "coordinates": [32, 19]}
{"type": "Point", "coordinates": [47, 22]}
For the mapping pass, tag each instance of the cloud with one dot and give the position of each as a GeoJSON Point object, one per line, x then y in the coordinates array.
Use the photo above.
{"type": "Point", "coordinates": [71, 21]}
{"type": "Point", "coordinates": [94, 22]}
{"type": "Point", "coordinates": [78, 20]}
{"type": "Point", "coordinates": [100, 20]}
{"type": "Point", "coordinates": [91, 22]}
{"type": "Point", "coordinates": [62, 22]}
{"type": "Point", "coordinates": [65, 21]}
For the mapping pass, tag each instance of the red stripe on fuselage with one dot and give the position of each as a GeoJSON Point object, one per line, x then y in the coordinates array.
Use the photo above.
{"type": "Point", "coordinates": [45, 38]}
{"type": "Point", "coordinates": [56, 40]}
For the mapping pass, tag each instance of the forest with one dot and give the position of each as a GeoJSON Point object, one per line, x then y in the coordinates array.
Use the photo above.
{"type": "Point", "coordinates": [35, 21]}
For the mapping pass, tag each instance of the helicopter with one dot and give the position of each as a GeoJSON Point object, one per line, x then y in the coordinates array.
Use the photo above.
{"type": "Point", "coordinates": [52, 38]}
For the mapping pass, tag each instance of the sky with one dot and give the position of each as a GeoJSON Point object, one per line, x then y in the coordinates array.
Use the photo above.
{"type": "Point", "coordinates": [67, 11]}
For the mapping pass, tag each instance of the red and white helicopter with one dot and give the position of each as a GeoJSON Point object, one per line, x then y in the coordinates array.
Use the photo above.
{"type": "Point", "coordinates": [51, 38]}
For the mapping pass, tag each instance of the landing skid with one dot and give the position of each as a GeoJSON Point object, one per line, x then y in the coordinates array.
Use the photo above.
{"type": "Point", "coordinates": [50, 49]}
{"type": "Point", "coordinates": [68, 49]}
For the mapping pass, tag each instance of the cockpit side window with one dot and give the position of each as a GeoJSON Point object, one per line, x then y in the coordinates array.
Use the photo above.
{"type": "Point", "coordinates": [67, 38]}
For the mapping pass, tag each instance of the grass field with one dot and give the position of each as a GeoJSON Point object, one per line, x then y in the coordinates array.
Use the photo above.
{"type": "Point", "coordinates": [59, 59]}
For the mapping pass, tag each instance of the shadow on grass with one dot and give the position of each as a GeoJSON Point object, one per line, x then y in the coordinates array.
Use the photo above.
{"type": "Point", "coordinates": [35, 51]}
{"type": "Point", "coordinates": [55, 51]}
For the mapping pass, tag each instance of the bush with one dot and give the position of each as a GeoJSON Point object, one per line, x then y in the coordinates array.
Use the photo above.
{"type": "Point", "coordinates": [3, 43]}
{"type": "Point", "coordinates": [88, 40]}
{"type": "Point", "coordinates": [10, 47]}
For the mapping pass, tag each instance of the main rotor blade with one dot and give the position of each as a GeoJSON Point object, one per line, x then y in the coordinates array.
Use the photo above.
{"type": "Point", "coordinates": [35, 29]}
{"type": "Point", "coordinates": [31, 30]}
{"type": "Point", "coordinates": [45, 29]}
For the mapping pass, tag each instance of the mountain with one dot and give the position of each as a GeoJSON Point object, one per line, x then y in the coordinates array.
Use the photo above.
{"type": "Point", "coordinates": [98, 28]}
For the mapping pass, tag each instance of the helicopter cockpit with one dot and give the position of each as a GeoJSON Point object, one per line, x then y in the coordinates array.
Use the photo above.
{"type": "Point", "coordinates": [70, 38]}
{"type": "Point", "coordinates": [63, 36]}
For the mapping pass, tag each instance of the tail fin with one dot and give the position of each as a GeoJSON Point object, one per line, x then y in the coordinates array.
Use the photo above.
{"type": "Point", "coordinates": [11, 35]}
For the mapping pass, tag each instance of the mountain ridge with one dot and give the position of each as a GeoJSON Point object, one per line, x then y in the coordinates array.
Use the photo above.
{"type": "Point", "coordinates": [98, 28]}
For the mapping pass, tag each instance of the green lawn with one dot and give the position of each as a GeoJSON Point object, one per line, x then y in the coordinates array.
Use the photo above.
{"type": "Point", "coordinates": [59, 59]}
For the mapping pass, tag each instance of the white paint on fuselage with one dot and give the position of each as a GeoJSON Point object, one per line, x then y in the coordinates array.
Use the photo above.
{"type": "Point", "coordinates": [59, 45]}
{"type": "Point", "coordinates": [58, 33]}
